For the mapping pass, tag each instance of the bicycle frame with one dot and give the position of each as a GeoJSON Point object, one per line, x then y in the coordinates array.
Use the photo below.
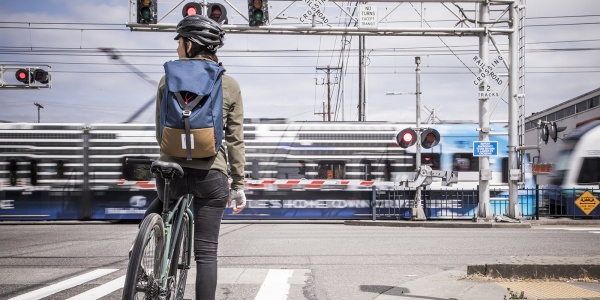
{"type": "Point", "coordinates": [173, 220]}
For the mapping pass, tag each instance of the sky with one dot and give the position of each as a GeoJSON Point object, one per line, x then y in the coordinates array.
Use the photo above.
{"type": "Point", "coordinates": [282, 76]}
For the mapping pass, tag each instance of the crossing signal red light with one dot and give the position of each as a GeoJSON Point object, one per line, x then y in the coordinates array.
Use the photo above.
{"type": "Point", "coordinates": [406, 138]}
{"type": "Point", "coordinates": [146, 11]}
{"type": "Point", "coordinates": [41, 76]}
{"type": "Point", "coordinates": [192, 8]}
{"type": "Point", "coordinates": [24, 76]}
{"type": "Point", "coordinates": [258, 12]}
{"type": "Point", "coordinates": [218, 13]}
{"type": "Point", "coordinates": [429, 138]}
{"type": "Point", "coordinates": [550, 130]}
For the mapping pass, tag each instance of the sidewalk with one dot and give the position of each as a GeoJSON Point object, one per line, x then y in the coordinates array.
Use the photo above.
{"type": "Point", "coordinates": [536, 277]}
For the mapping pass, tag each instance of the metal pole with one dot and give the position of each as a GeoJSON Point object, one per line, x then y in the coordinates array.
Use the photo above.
{"type": "Point", "coordinates": [513, 116]}
{"type": "Point", "coordinates": [485, 174]}
{"type": "Point", "coordinates": [360, 79]}
{"type": "Point", "coordinates": [418, 213]}
{"type": "Point", "coordinates": [39, 106]}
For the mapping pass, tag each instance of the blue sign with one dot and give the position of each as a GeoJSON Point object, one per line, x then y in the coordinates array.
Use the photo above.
{"type": "Point", "coordinates": [485, 148]}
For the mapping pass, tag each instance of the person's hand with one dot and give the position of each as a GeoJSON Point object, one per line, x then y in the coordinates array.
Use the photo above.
{"type": "Point", "coordinates": [240, 200]}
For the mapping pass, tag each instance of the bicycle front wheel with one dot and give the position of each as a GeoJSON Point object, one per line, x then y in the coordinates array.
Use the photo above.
{"type": "Point", "coordinates": [143, 272]}
{"type": "Point", "coordinates": [181, 259]}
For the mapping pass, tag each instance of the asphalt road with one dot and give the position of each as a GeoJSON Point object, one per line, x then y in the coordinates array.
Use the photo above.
{"type": "Point", "coordinates": [274, 261]}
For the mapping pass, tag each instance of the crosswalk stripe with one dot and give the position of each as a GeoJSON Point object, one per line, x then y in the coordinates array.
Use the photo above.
{"type": "Point", "coordinates": [102, 290]}
{"type": "Point", "coordinates": [63, 285]}
{"type": "Point", "coordinates": [275, 286]}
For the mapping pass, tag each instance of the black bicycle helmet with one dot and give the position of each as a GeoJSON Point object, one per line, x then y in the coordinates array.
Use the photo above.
{"type": "Point", "coordinates": [202, 31]}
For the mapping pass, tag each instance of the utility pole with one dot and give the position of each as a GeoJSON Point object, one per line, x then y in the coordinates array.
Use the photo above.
{"type": "Point", "coordinates": [329, 83]}
{"type": "Point", "coordinates": [39, 106]}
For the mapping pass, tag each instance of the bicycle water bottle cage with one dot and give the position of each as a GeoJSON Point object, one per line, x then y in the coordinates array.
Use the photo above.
{"type": "Point", "coordinates": [167, 169]}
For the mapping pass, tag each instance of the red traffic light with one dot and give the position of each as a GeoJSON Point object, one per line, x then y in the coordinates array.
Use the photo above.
{"type": "Point", "coordinates": [24, 76]}
{"type": "Point", "coordinates": [190, 9]}
{"type": "Point", "coordinates": [406, 138]}
{"type": "Point", "coordinates": [429, 138]}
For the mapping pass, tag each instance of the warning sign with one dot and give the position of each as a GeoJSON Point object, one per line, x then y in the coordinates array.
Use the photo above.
{"type": "Point", "coordinates": [587, 202]}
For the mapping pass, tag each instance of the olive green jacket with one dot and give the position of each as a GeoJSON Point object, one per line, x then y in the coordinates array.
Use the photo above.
{"type": "Point", "coordinates": [232, 147]}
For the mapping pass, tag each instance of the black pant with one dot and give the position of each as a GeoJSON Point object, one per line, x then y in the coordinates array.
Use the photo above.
{"type": "Point", "coordinates": [211, 191]}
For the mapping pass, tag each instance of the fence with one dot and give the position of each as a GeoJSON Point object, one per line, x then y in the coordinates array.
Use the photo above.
{"type": "Point", "coordinates": [462, 204]}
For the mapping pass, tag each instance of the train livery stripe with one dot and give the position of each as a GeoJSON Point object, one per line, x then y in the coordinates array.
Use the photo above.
{"type": "Point", "coordinates": [63, 285]}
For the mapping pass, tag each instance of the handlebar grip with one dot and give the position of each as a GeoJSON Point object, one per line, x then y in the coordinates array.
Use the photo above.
{"type": "Point", "coordinates": [139, 161]}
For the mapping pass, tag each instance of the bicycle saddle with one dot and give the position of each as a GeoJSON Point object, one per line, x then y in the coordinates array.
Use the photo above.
{"type": "Point", "coordinates": [167, 169]}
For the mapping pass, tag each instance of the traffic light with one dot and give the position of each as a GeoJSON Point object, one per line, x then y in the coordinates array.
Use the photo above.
{"type": "Point", "coordinates": [146, 11]}
{"type": "Point", "coordinates": [258, 12]}
{"type": "Point", "coordinates": [429, 138]}
{"type": "Point", "coordinates": [28, 77]}
{"type": "Point", "coordinates": [406, 138]}
{"type": "Point", "coordinates": [217, 12]}
{"type": "Point", "coordinates": [24, 76]}
{"type": "Point", "coordinates": [191, 8]}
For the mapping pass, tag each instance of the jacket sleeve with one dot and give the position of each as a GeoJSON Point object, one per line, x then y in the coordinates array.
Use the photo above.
{"type": "Point", "coordinates": [233, 117]}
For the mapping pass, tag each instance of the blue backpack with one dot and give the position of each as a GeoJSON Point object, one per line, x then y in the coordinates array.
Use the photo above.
{"type": "Point", "coordinates": [191, 112]}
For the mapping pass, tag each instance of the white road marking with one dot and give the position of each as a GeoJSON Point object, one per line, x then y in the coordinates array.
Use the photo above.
{"type": "Point", "coordinates": [275, 286]}
{"type": "Point", "coordinates": [63, 285]}
{"type": "Point", "coordinates": [102, 290]}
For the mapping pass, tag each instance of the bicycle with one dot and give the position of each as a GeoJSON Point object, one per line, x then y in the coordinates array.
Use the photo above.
{"type": "Point", "coordinates": [161, 254]}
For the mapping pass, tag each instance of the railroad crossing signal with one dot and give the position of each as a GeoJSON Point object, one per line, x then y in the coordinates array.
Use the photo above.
{"type": "Point", "coordinates": [217, 12]}
{"type": "Point", "coordinates": [25, 77]}
{"type": "Point", "coordinates": [258, 12]}
{"type": "Point", "coordinates": [429, 138]}
{"type": "Point", "coordinates": [408, 137]}
{"type": "Point", "coordinates": [550, 130]}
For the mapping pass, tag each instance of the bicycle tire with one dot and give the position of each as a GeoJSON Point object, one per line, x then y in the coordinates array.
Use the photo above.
{"type": "Point", "coordinates": [142, 280]}
{"type": "Point", "coordinates": [182, 259]}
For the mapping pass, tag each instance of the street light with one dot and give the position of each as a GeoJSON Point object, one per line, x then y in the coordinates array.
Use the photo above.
{"type": "Point", "coordinates": [39, 106]}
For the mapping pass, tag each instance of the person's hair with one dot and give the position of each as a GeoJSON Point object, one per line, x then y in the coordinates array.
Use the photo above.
{"type": "Point", "coordinates": [198, 51]}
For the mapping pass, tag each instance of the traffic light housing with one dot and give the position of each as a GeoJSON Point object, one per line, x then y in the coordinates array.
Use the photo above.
{"type": "Point", "coordinates": [191, 8]}
{"type": "Point", "coordinates": [147, 11]}
{"type": "Point", "coordinates": [258, 12]}
{"type": "Point", "coordinates": [550, 130]}
{"type": "Point", "coordinates": [429, 138]}
{"type": "Point", "coordinates": [406, 138]}
{"type": "Point", "coordinates": [28, 77]}
{"type": "Point", "coordinates": [217, 12]}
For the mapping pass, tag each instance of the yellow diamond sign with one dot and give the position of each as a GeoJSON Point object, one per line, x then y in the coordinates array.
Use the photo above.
{"type": "Point", "coordinates": [587, 202]}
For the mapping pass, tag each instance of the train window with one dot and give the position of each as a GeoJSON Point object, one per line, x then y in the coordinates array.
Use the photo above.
{"type": "Point", "coordinates": [590, 171]}
{"type": "Point", "coordinates": [431, 159]}
{"type": "Point", "coordinates": [291, 170]}
{"type": "Point", "coordinates": [33, 172]}
{"type": "Point", "coordinates": [465, 162]}
{"type": "Point", "coordinates": [331, 170]}
{"type": "Point", "coordinates": [137, 172]}
{"type": "Point", "coordinates": [60, 169]}
{"type": "Point", "coordinates": [12, 172]}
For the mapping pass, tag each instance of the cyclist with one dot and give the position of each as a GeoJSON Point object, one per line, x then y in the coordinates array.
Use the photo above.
{"type": "Point", "coordinates": [199, 37]}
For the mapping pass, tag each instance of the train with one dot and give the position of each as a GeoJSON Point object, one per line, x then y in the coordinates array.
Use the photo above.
{"type": "Point", "coordinates": [294, 170]}
{"type": "Point", "coordinates": [576, 173]}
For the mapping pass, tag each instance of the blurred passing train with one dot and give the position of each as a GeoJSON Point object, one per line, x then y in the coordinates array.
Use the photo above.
{"type": "Point", "coordinates": [294, 170]}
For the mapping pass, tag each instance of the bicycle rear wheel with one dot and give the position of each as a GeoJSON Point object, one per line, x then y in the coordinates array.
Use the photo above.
{"type": "Point", "coordinates": [181, 257]}
{"type": "Point", "coordinates": [143, 272]}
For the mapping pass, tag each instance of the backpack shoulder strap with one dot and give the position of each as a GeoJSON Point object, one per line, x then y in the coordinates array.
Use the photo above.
{"type": "Point", "coordinates": [185, 116]}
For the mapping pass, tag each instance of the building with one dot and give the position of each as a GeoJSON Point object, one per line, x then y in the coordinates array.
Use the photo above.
{"type": "Point", "coordinates": [569, 114]}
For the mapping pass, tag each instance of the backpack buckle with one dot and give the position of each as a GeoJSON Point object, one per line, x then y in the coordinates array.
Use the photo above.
{"type": "Point", "coordinates": [186, 113]}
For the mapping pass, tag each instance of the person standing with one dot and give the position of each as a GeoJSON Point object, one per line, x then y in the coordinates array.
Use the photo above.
{"type": "Point", "coordinates": [199, 37]}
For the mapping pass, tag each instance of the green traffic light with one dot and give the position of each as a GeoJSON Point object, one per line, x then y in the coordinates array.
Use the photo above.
{"type": "Point", "coordinates": [258, 15]}
{"type": "Point", "coordinates": [146, 13]}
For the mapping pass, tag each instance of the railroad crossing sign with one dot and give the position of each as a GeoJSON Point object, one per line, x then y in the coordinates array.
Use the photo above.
{"type": "Point", "coordinates": [587, 202]}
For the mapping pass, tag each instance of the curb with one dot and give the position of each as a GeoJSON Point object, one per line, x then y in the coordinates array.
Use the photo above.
{"type": "Point", "coordinates": [438, 224]}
